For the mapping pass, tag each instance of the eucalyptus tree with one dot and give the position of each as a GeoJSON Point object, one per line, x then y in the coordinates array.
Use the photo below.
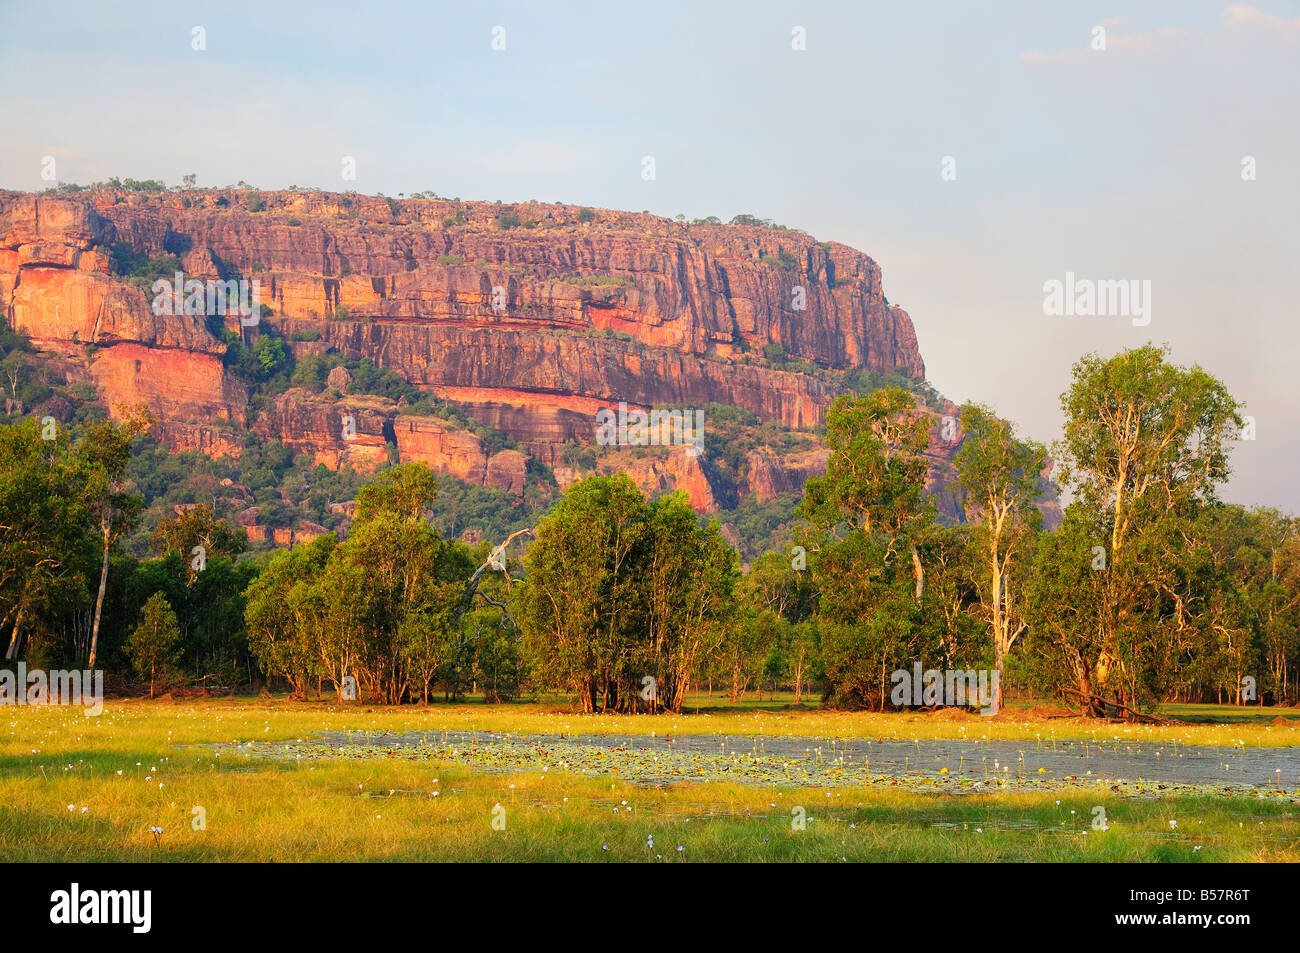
{"type": "Point", "coordinates": [283, 612]}
{"type": "Point", "coordinates": [46, 551]}
{"type": "Point", "coordinates": [1145, 444]}
{"type": "Point", "coordinates": [689, 582]}
{"type": "Point", "coordinates": [866, 516]}
{"type": "Point", "coordinates": [580, 606]}
{"type": "Point", "coordinates": [105, 451]}
{"type": "Point", "coordinates": [999, 473]}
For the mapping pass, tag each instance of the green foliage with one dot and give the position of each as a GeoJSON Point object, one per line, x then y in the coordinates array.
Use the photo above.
{"type": "Point", "coordinates": [783, 259]}
{"type": "Point", "coordinates": [868, 515]}
{"type": "Point", "coordinates": [140, 268]}
{"type": "Point", "coordinates": [999, 473]}
{"type": "Point", "coordinates": [380, 608]}
{"type": "Point", "coordinates": [270, 354]}
{"type": "Point", "coordinates": [617, 590]}
{"type": "Point", "coordinates": [579, 457]}
{"type": "Point", "coordinates": [864, 382]}
{"type": "Point", "coordinates": [1145, 447]}
{"type": "Point", "coordinates": [266, 363]}
{"type": "Point", "coordinates": [138, 185]}
{"type": "Point", "coordinates": [155, 644]}
{"type": "Point", "coordinates": [197, 526]}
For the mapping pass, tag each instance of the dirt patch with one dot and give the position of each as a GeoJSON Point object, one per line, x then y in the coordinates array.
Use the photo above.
{"type": "Point", "coordinates": [957, 714]}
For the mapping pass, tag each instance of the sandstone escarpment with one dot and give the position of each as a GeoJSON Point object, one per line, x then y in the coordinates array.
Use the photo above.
{"type": "Point", "coordinates": [530, 317]}
{"type": "Point", "coordinates": [691, 288]}
{"type": "Point", "coordinates": [58, 290]}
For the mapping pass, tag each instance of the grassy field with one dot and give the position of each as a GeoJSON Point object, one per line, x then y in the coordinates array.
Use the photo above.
{"type": "Point", "coordinates": [92, 788]}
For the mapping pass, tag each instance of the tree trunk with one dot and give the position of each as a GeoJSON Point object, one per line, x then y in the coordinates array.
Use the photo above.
{"type": "Point", "coordinates": [997, 669]}
{"type": "Point", "coordinates": [1083, 684]}
{"type": "Point", "coordinates": [16, 638]}
{"type": "Point", "coordinates": [106, 525]}
{"type": "Point", "coordinates": [918, 573]}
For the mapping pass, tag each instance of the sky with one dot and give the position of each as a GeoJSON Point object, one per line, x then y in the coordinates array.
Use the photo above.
{"type": "Point", "coordinates": [976, 151]}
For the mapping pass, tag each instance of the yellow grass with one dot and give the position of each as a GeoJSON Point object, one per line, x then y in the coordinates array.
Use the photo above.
{"type": "Point", "coordinates": [146, 764]}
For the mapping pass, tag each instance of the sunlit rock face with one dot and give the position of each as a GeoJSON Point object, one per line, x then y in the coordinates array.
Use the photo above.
{"type": "Point", "coordinates": [530, 317]}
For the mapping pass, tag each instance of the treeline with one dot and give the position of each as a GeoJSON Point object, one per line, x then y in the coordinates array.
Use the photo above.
{"type": "Point", "coordinates": [1150, 589]}
{"type": "Point", "coordinates": [69, 596]}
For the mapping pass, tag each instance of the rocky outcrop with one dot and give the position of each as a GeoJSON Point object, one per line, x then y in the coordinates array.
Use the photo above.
{"type": "Point", "coordinates": [57, 289]}
{"type": "Point", "coordinates": [352, 431]}
{"type": "Point", "coordinates": [359, 431]}
{"type": "Point", "coordinates": [508, 470]}
{"type": "Point", "coordinates": [443, 446]}
{"type": "Point", "coordinates": [655, 471]}
{"type": "Point", "coordinates": [303, 531]}
{"type": "Point", "coordinates": [530, 317]}
{"type": "Point", "coordinates": [769, 474]}
{"type": "Point", "coordinates": [690, 288]}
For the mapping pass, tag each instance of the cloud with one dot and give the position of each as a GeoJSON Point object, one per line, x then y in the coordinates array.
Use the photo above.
{"type": "Point", "coordinates": [1240, 15]}
{"type": "Point", "coordinates": [1234, 20]}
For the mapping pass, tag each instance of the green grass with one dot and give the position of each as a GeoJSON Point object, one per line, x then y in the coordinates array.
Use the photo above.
{"type": "Point", "coordinates": [405, 807]}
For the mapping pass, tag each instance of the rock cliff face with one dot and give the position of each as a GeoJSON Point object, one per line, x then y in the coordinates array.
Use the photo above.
{"type": "Point", "coordinates": [531, 317]}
